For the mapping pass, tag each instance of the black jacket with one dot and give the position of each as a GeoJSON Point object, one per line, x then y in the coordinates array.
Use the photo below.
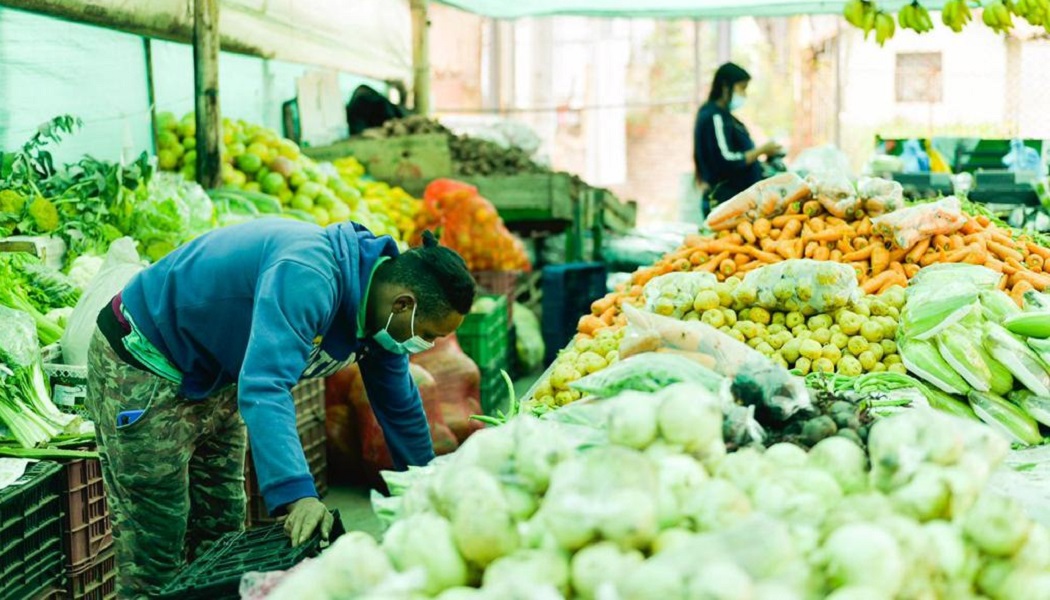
{"type": "Point", "coordinates": [719, 143]}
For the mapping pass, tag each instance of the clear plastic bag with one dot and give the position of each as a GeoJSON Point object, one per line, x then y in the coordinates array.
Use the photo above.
{"type": "Point", "coordinates": [908, 226]}
{"type": "Point", "coordinates": [804, 285]}
{"type": "Point", "coordinates": [767, 198]}
{"type": "Point", "coordinates": [880, 196]}
{"type": "Point", "coordinates": [756, 380]}
{"type": "Point", "coordinates": [121, 264]}
{"type": "Point", "coordinates": [835, 193]}
{"type": "Point", "coordinates": [937, 276]}
{"type": "Point", "coordinates": [672, 295]}
{"type": "Point", "coordinates": [528, 342]}
{"type": "Point", "coordinates": [648, 372]}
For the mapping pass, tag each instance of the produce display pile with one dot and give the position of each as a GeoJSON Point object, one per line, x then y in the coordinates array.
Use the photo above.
{"type": "Point", "coordinates": [636, 497]}
{"type": "Point", "coordinates": [827, 277]}
{"type": "Point", "coordinates": [264, 174]}
{"type": "Point", "coordinates": [470, 156]}
{"type": "Point", "coordinates": [470, 225]}
{"type": "Point", "coordinates": [45, 294]}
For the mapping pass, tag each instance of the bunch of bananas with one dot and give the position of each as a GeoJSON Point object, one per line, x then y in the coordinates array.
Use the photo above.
{"type": "Point", "coordinates": [885, 27]}
{"type": "Point", "coordinates": [997, 16]}
{"type": "Point", "coordinates": [1036, 12]}
{"type": "Point", "coordinates": [915, 17]}
{"type": "Point", "coordinates": [861, 14]}
{"type": "Point", "coordinates": [956, 14]}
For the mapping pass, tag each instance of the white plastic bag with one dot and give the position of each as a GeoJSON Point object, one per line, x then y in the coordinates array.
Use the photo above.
{"type": "Point", "coordinates": [122, 263]}
{"type": "Point", "coordinates": [880, 196]}
{"type": "Point", "coordinates": [835, 193]}
{"type": "Point", "coordinates": [804, 285]}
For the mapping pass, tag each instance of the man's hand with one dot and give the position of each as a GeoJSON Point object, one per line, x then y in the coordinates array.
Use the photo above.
{"type": "Point", "coordinates": [304, 515]}
{"type": "Point", "coordinates": [770, 149]}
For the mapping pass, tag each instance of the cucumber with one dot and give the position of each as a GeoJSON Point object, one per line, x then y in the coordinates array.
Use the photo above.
{"type": "Point", "coordinates": [266, 203]}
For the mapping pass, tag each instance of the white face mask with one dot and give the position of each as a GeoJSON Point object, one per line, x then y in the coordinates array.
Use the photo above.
{"type": "Point", "coordinates": [413, 345]}
{"type": "Point", "coordinates": [737, 102]}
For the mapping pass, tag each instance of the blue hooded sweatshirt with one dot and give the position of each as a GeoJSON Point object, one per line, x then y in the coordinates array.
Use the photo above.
{"type": "Point", "coordinates": [262, 305]}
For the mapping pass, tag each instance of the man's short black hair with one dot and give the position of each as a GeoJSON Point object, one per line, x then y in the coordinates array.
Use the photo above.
{"type": "Point", "coordinates": [437, 275]}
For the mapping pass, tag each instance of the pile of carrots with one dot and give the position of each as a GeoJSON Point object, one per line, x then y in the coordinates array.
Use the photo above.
{"type": "Point", "coordinates": [808, 231]}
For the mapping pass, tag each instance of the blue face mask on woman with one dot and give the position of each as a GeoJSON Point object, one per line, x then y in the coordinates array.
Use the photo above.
{"type": "Point", "coordinates": [412, 345]}
{"type": "Point", "coordinates": [737, 102]}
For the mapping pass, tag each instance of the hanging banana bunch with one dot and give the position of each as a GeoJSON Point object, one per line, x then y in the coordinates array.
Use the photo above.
{"type": "Point", "coordinates": [1036, 12]}
{"type": "Point", "coordinates": [997, 16]}
{"type": "Point", "coordinates": [861, 14]}
{"type": "Point", "coordinates": [956, 14]}
{"type": "Point", "coordinates": [915, 17]}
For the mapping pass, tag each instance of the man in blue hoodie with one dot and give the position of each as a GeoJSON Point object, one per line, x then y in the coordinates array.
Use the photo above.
{"type": "Point", "coordinates": [198, 355]}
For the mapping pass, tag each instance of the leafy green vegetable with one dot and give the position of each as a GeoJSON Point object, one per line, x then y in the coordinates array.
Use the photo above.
{"type": "Point", "coordinates": [25, 403]}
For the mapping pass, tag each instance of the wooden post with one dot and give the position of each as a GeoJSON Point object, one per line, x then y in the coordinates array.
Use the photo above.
{"type": "Point", "coordinates": [206, 90]}
{"type": "Point", "coordinates": [151, 95]}
{"type": "Point", "coordinates": [420, 57]}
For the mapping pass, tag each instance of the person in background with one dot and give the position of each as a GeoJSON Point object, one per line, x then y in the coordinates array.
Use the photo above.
{"type": "Point", "coordinates": [199, 353]}
{"type": "Point", "coordinates": [726, 159]}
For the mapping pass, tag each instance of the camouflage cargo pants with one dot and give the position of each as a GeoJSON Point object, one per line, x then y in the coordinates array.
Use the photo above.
{"type": "Point", "coordinates": [174, 478]}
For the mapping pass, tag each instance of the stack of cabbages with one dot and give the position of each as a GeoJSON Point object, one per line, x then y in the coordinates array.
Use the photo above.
{"type": "Point", "coordinates": [636, 498]}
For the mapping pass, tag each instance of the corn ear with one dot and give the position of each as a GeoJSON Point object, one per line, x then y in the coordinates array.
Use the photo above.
{"type": "Point", "coordinates": [1038, 407]}
{"type": "Point", "coordinates": [949, 404]}
{"type": "Point", "coordinates": [923, 359]}
{"type": "Point", "coordinates": [1014, 355]}
{"type": "Point", "coordinates": [927, 315]}
{"type": "Point", "coordinates": [1005, 417]}
{"type": "Point", "coordinates": [1036, 301]}
{"type": "Point", "coordinates": [966, 356]}
{"type": "Point", "coordinates": [997, 306]}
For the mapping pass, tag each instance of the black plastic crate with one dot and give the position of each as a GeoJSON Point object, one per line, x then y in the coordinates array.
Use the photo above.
{"type": "Point", "coordinates": [568, 292]}
{"type": "Point", "coordinates": [217, 574]}
{"type": "Point", "coordinates": [31, 532]}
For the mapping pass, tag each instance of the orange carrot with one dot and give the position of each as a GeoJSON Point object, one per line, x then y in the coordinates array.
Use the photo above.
{"type": "Point", "coordinates": [746, 231]}
{"type": "Point", "coordinates": [817, 224]}
{"type": "Point", "coordinates": [811, 208]}
{"type": "Point", "coordinates": [728, 267]}
{"type": "Point", "coordinates": [830, 235]}
{"type": "Point", "coordinates": [822, 253]}
{"type": "Point", "coordinates": [976, 237]}
{"type": "Point", "coordinates": [791, 229]}
{"type": "Point", "coordinates": [857, 255]}
{"type": "Point", "coordinates": [932, 256]}
{"type": "Point", "coordinates": [1003, 238]}
{"type": "Point", "coordinates": [898, 267]}
{"type": "Point", "coordinates": [1004, 252]}
{"type": "Point", "coordinates": [955, 242]}
{"type": "Point", "coordinates": [898, 280]}
{"type": "Point", "coordinates": [984, 221]}
{"type": "Point", "coordinates": [860, 243]}
{"type": "Point", "coordinates": [844, 246]}
{"type": "Point", "coordinates": [836, 255]}
{"type": "Point", "coordinates": [589, 324]}
{"type": "Point", "coordinates": [978, 255]}
{"type": "Point", "coordinates": [915, 254]}
{"type": "Point", "coordinates": [941, 242]}
{"type": "Point", "coordinates": [761, 228]}
{"type": "Point", "coordinates": [1037, 249]}
{"type": "Point", "coordinates": [957, 255]}
{"type": "Point", "coordinates": [775, 233]}
{"type": "Point", "coordinates": [898, 254]}
{"type": "Point", "coordinates": [994, 264]}
{"type": "Point", "coordinates": [880, 259]}
{"type": "Point", "coordinates": [811, 248]}
{"type": "Point", "coordinates": [1003, 282]}
{"type": "Point", "coordinates": [1034, 262]}
{"type": "Point", "coordinates": [971, 226]}
{"type": "Point", "coordinates": [602, 304]}
{"type": "Point", "coordinates": [1018, 290]}
{"type": "Point", "coordinates": [876, 281]}
{"type": "Point", "coordinates": [768, 244]}
{"type": "Point", "coordinates": [713, 264]}
{"type": "Point", "coordinates": [783, 220]}
{"type": "Point", "coordinates": [751, 266]}
{"type": "Point", "coordinates": [864, 227]}
{"type": "Point", "coordinates": [911, 270]}
{"type": "Point", "coordinates": [741, 259]}
{"type": "Point", "coordinates": [1016, 264]}
{"type": "Point", "coordinates": [835, 222]}
{"type": "Point", "coordinates": [699, 257]}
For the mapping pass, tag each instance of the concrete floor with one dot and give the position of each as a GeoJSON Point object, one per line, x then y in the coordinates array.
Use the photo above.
{"type": "Point", "coordinates": [353, 503]}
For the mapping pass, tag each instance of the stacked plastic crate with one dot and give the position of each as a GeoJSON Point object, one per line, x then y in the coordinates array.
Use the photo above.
{"type": "Point", "coordinates": [87, 533]}
{"type": "Point", "coordinates": [568, 292]}
{"type": "Point", "coordinates": [309, 415]}
{"type": "Point", "coordinates": [31, 514]}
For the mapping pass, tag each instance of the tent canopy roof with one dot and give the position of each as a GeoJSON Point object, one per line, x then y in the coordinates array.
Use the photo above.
{"type": "Point", "coordinates": [701, 9]}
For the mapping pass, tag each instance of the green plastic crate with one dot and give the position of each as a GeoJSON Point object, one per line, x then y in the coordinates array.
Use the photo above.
{"type": "Point", "coordinates": [494, 393]}
{"type": "Point", "coordinates": [483, 336]}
